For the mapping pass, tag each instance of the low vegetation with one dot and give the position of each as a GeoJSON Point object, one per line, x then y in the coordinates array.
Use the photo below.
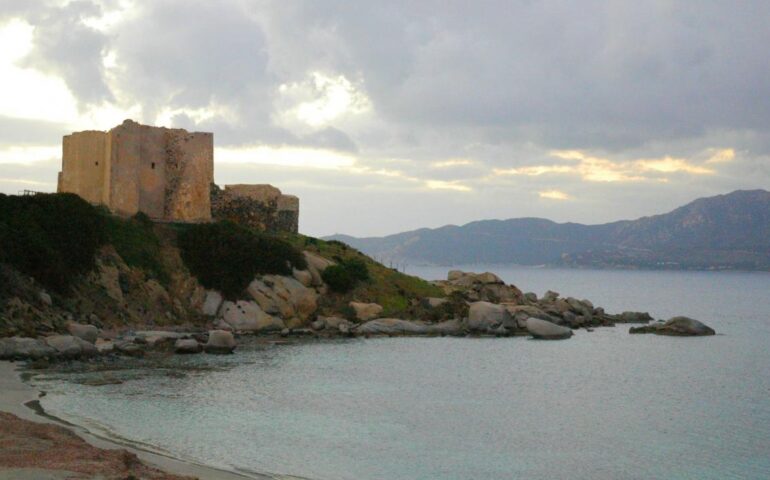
{"type": "Point", "coordinates": [54, 238]}
{"type": "Point", "coordinates": [342, 277]}
{"type": "Point", "coordinates": [50, 237]}
{"type": "Point", "coordinates": [225, 256]}
{"type": "Point", "coordinates": [395, 291]}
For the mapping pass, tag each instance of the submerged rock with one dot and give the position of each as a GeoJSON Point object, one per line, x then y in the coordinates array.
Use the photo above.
{"type": "Point", "coordinates": [68, 346]}
{"type": "Point", "coordinates": [677, 326]}
{"type": "Point", "coordinates": [545, 330]}
{"type": "Point", "coordinates": [220, 342]}
{"type": "Point", "coordinates": [187, 345]}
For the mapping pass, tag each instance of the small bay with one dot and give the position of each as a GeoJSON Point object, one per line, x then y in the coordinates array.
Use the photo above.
{"type": "Point", "coordinates": [603, 404]}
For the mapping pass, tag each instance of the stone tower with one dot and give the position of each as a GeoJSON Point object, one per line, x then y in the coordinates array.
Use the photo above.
{"type": "Point", "coordinates": [165, 173]}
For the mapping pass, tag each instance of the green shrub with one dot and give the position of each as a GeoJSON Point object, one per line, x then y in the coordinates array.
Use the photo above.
{"type": "Point", "coordinates": [136, 243]}
{"type": "Point", "coordinates": [342, 277]}
{"type": "Point", "coordinates": [51, 237]}
{"type": "Point", "coordinates": [226, 256]}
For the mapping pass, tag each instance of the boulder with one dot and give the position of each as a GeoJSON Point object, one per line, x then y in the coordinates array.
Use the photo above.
{"type": "Point", "coordinates": [303, 276]}
{"type": "Point", "coordinates": [455, 275]}
{"type": "Point", "coordinates": [366, 311]}
{"type": "Point", "coordinates": [46, 298]}
{"type": "Point", "coordinates": [481, 287]}
{"type": "Point", "coordinates": [243, 316]}
{"type": "Point", "coordinates": [520, 314]}
{"type": "Point", "coordinates": [391, 326]}
{"type": "Point", "coordinates": [220, 342]}
{"type": "Point", "coordinates": [187, 345]}
{"type": "Point", "coordinates": [316, 264]}
{"type": "Point", "coordinates": [104, 346]}
{"type": "Point", "coordinates": [68, 346]}
{"type": "Point", "coordinates": [545, 330]}
{"type": "Point", "coordinates": [531, 297]}
{"type": "Point", "coordinates": [318, 324]}
{"type": "Point", "coordinates": [211, 303]}
{"type": "Point", "coordinates": [128, 348]}
{"type": "Point", "coordinates": [284, 297]}
{"type": "Point", "coordinates": [550, 296]}
{"type": "Point", "coordinates": [485, 317]}
{"type": "Point", "coordinates": [333, 322]}
{"type": "Point", "coordinates": [84, 332]}
{"type": "Point", "coordinates": [433, 302]}
{"type": "Point", "coordinates": [146, 335]}
{"type": "Point", "coordinates": [23, 348]}
{"type": "Point", "coordinates": [448, 327]}
{"type": "Point", "coordinates": [677, 326]}
{"type": "Point", "coordinates": [633, 317]}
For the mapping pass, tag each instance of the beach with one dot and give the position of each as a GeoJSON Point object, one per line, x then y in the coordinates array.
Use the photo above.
{"type": "Point", "coordinates": [15, 394]}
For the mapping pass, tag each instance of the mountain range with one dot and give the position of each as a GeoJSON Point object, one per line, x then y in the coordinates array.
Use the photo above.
{"type": "Point", "coordinates": [729, 231]}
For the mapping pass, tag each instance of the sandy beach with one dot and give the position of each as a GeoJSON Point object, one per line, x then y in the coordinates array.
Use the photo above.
{"type": "Point", "coordinates": [14, 394]}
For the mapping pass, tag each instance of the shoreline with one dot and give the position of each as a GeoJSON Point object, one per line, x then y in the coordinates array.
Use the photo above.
{"type": "Point", "coordinates": [18, 398]}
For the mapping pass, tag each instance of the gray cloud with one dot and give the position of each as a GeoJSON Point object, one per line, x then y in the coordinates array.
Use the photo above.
{"type": "Point", "coordinates": [499, 82]}
{"type": "Point", "coordinates": [17, 131]}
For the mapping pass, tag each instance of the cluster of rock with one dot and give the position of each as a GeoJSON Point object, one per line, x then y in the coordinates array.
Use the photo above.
{"type": "Point", "coordinates": [86, 341]}
{"type": "Point", "coordinates": [276, 302]}
{"type": "Point", "coordinates": [494, 308]}
{"type": "Point", "coordinates": [678, 327]}
{"type": "Point", "coordinates": [289, 305]}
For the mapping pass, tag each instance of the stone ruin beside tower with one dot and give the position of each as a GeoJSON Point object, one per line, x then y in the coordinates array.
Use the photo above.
{"type": "Point", "coordinates": [167, 174]}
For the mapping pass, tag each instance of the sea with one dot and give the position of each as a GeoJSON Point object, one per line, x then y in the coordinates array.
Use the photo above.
{"type": "Point", "coordinates": [600, 405]}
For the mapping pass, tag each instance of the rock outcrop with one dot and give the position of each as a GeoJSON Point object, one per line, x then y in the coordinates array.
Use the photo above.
{"type": "Point", "coordinates": [677, 326]}
{"type": "Point", "coordinates": [485, 286]}
{"type": "Point", "coordinates": [366, 311]}
{"type": "Point", "coordinates": [545, 330]}
{"type": "Point", "coordinates": [243, 316]}
{"type": "Point", "coordinates": [486, 317]}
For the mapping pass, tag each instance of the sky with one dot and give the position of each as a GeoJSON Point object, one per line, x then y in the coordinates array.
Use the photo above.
{"type": "Point", "coordinates": [386, 116]}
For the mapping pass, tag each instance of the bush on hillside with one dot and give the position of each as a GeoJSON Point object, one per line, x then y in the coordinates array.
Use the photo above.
{"type": "Point", "coordinates": [51, 237]}
{"type": "Point", "coordinates": [225, 256]}
{"type": "Point", "coordinates": [344, 276]}
{"type": "Point", "coordinates": [136, 243]}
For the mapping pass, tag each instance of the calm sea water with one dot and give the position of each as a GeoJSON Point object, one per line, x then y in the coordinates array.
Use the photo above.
{"type": "Point", "coordinates": [601, 405]}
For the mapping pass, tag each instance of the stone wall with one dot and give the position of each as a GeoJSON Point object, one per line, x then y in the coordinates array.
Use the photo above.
{"type": "Point", "coordinates": [168, 174]}
{"type": "Point", "coordinates": [165, 173]}
{"type": "Point", "coordinates": [263, 207]}
{"type": "Point", "coordinates": [85, 166]}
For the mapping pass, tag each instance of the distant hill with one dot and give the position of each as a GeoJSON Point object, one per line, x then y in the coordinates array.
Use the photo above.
{"type": "Point", "coordinates": [729, 231]}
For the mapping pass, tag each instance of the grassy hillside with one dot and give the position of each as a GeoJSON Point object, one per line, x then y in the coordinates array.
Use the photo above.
{"type": "Point", "coordinates": [55, 239]}
{"type": "Point", "coordinates": [395, 291]}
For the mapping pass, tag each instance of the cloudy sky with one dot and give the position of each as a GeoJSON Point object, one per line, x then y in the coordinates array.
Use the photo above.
{"type": "Point", "coordinates": [384, 116]}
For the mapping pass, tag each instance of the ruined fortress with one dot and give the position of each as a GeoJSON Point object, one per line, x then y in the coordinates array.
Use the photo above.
{"type": "Point", "coordinates": [167, 174]}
